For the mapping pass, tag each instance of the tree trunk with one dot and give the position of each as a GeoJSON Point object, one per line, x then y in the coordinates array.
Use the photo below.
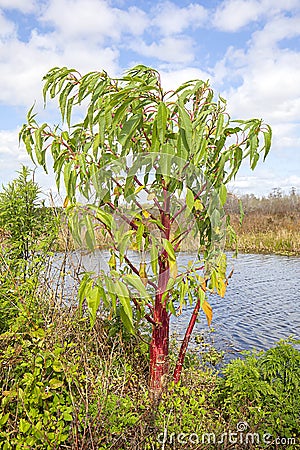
{"type": "Point", "coordinates": [159, 351]}
{"type": "Point", "coordinates": [159, 347]}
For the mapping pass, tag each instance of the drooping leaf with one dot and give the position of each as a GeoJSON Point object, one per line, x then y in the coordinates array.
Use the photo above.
{"type": "Point", "coordinates": [129, 128]}
{"type": "Point", "coordinates": [136, 282]}
{"type": "Point", "coordinates": [143, 273]}
{"type": "Point", "coordinates": [169, 249]}
{"type": "Point", "coordinates": [173, 269]}
{"type": "Point", "coordinates": [124, 297]}
{"type": "Point", "coordinates": [154, 257]}
{"type": "Point", "coordinates": [189, 199]}
{"type": "Point", "coordinates": [93, 301]}
{"type": "Point", "coordinates": [223, 194]}
{"type": "Point", "coordinates": [162, 117]}
{"type": "Point", "coordinates": [208, 311]}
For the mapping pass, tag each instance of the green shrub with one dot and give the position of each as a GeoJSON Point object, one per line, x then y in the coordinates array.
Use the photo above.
{"type": "Point", "coordinates": [263, 391]}
{"type": "Point", "coordinates": [29, 228]}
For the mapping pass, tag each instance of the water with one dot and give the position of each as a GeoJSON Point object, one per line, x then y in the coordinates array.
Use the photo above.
{"type": "Point", "coordinates": [261, 305]}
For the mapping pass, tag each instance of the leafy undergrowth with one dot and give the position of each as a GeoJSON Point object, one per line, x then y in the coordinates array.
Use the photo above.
{"type": "Point", "coordinates": [66, 386]}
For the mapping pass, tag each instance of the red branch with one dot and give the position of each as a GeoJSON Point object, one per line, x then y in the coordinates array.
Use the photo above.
{"type": "Point", "coordinates": [185, 343]}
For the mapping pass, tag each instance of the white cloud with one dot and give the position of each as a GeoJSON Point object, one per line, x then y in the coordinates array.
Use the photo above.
{"type": "Point", "coordinates": [268, 74]}
{"type": "Point", "coordinates": [168, 49]}
{"type": "Point", "coordinates": [276, 30]}
{"type": "Point", "coordinates": [9, 144]}
{"type": "Point", "coordinates": [232, 15]}
{"type": "Point", "coordinates": [172, 79]}
{"type": "Point", "coordinates": [7, 28]}
{"type": "Point", "coordinates": [24, 6]}
{"type": "Point", "coordinates": [21, 79]}
{"type": "Point", "coordinates": [286, 136]}
{"type": "Point", "coordinates": [93, 19]}
{"type": "Point", "coordinates": [263, 183]}
{"type": "Point", "coordinates": [170, 19]}
{"type": "Point", "coordinates": [13, 156]}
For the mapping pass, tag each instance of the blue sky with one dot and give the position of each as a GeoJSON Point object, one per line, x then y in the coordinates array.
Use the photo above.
{"type": "Point", "coordinates": [249, 49]}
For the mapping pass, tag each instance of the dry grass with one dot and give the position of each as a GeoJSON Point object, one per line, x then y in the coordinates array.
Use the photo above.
{"type": "Point", "coordinates": [268, 233]}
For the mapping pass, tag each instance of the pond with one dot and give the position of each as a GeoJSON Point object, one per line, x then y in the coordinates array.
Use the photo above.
{"type": "Point", "coordinates": [261, 305]}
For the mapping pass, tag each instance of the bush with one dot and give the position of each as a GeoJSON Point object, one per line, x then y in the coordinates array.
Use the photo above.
{"type": "Point", "coordinates": [29, 228]}
{"type": "Point", "coordinates": [263, 391]}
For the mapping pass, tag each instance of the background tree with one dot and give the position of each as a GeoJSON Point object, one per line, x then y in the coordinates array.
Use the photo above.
{"type": "Point", "coordinates": [150, 168]}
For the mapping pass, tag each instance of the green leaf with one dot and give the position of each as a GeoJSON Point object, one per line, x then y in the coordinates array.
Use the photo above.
{"type": "Point", "coordinates": [105, 218]}
{"type": "Point", "coordinates": [129, 128]}
{"type": "Point", "coordinates": [57, 366]}
{"type": "Point", "coordinates": [171, 307]}
{"type": "Point", "coordinates": [63, 99]}
{"type": "Point", "coordinates": [185, 128]}
{"type": "Point", "coordinates": [139, 235]}
{"type": "Point", "coordinates": [189, 199]}
{"type": "Point", "coordinates": [123, 243]}
{"type": "Point", "coordinates": [69, 110]}
{"type": "Point", "coordinates": [110, 287]}
{"type": "Point", "coordinates": [223, 194]}
{"type": "Point", "coordinates": [182, 294]}
{"type": "Point", "coordinates": [155, 144]}
{"type": "Point", "coordinates": [170, 284]}
{"type": "Point", "coordinates": [24, 426]}
{"type": "Point", "coordinates": [90, 234]}
{"type": "Point", "coordinates": [201, 296]}
{"type": "Point", "coordinates": [55, 383]}
{"type": "Point", "coordinates": [154, 257]}
{"type": "Point", "coordinates": [219, 127]}
{"type": "Point", "coordinates": [126, 321]}
{"type": "Point", "coordinates": [162, 117]}
{"type": "Point", "coordinates": [136, 282]}
{"type": "Point", "coordinates": [93, 301]}
{"type": "Point", "coordinates": [255, 160]}
{"type": "Point", "coordinates": [242, 214]}
{"type": "Point", "coordinates": [84, 288]}
{"type": "Point", "coordinates": [123, 295]}
{"type": "Point", "coordinates": [67, 416]}
{"type": "Point", "coordinates": [267, 140]}
{"type": "Point", "coordinates": [253, 141]}
{"type": "Point", "coordinates": [169, 249]}
{"type": "Point", "coordinates": [3, 419]}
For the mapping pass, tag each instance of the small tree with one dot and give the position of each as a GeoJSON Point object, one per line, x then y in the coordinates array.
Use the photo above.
{"type": "Point", "coordinates": [29, 227]}
{"type": "Point", "coordinates": [151, 168]}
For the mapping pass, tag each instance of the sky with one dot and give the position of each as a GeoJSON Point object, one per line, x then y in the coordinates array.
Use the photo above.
{"type": "Point", "coordinates": [248, 49]}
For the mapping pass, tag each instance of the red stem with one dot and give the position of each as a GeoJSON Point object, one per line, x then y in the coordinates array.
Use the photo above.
{"type": "Point", "coordinates": [185, 343]}
{"type": "Point", "coordinates": [159, 347]}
